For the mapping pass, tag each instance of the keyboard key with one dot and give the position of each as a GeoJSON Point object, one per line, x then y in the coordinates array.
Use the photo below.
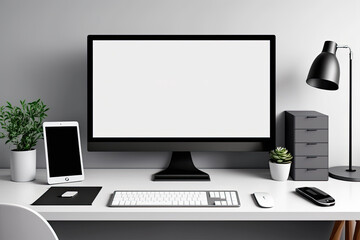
{"type": "Point", "coordinates": [234, 198]}
{"type": "Point", "coordinates": [228, 198]}
{"type": "Point", "coordinates": [222, 195]}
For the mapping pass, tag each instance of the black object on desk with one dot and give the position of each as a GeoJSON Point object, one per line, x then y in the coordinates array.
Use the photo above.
{"type": "Point", "coordinates": [316, 196]}
{"type": "Point", "coordinates": [52, 196]}
{"type": "Point", "coordinates": [325, 74]}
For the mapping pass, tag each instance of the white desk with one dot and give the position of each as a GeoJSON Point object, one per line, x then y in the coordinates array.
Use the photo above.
{"type": "Point", "coordinates": [288, 205]}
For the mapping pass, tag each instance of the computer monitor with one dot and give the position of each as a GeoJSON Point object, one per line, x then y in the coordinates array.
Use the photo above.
{"type": "Point", "coordinates": [181, 93]}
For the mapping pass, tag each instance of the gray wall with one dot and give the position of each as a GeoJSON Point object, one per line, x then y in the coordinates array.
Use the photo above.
{"type": "Point", "coordinates": [43, 55]}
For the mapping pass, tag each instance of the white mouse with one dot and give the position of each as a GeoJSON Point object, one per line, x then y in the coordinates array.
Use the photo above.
{"type": "Point", "coordinates": [264, 199]}
{"type": "Point", "coordinates": [69, 194]}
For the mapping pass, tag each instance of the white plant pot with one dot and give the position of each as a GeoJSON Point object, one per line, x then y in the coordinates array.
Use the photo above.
{"type": "Point", "coordinates": [279, 172]}
{"type": "Point", "coordinates": [23, 165]}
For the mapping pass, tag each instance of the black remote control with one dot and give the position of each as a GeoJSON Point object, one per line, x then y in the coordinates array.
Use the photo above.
{"type": "Point", "coordinates": [316, 196]}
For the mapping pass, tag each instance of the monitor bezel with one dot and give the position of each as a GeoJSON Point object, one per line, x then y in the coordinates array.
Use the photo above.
{"type": "Point", "coordinates": [180, 144]}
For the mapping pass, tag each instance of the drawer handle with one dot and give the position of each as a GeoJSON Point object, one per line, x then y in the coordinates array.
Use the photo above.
{"type": "Point", "coordinates": [311, 169]}
{"type": "Point", "coordinates": [311, 130]}
{"type": "Point", "coordinates": [311, 143]}
{"type": "Point", "coordinates": [311, 157]}
{"type": "Point", "coordinates": [311, 116]}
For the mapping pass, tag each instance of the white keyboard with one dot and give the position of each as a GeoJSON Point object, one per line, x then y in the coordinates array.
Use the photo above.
{"type": "Point", "coordinates": [175, 199]}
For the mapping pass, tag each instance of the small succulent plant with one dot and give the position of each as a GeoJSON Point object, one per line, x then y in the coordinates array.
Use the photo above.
{"type": "Point", "coordinates": [280, 155]}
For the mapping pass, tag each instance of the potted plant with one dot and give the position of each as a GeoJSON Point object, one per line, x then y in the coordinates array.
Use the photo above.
{"type": "Point", "coordinates": [280, 162]}
{"type": "Point", "coordinates": [22, 127]}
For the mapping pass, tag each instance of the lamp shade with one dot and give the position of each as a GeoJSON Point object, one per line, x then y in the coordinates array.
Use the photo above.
{"type": "Point", "coordinates": [325, 70]}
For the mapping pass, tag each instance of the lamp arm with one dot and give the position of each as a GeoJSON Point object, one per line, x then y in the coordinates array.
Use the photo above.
{"type": "Point", "coordinates": [346, 46]}
{"type": "Point", "coordinates": [350, 107]}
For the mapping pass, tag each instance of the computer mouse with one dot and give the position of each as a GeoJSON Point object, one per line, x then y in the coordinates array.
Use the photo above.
{"type": "Point", "coordinates": [69, 194]}
{"type": "Point", "coordinates": [264, 199]}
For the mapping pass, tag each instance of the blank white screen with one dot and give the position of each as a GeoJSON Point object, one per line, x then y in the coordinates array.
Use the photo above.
{"type": "Point", "coordinates": [177, 89]}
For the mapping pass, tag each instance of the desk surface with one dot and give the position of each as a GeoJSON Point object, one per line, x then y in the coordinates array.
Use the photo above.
{"type": "Point", "coordinates": [288, 205]}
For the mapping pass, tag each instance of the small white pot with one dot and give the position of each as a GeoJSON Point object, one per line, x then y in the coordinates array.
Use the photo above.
{"type": "Point", "coordinates": [279, 172]}
{"type": "Point", "coordinates": [23, 165]}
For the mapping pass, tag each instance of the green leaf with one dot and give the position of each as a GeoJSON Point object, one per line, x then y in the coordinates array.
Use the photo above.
{"type": "Point", "coordinates": [22, 125]}
{"type": "Point", "coordinates": [281, 155]}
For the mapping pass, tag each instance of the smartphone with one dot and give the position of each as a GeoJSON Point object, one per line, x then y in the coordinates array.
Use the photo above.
{"type": "Point", "coordinates": [316, 196]}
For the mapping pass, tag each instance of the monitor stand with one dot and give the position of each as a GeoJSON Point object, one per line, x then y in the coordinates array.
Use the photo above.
{"type": "Point", "coordinates": [181, 168]}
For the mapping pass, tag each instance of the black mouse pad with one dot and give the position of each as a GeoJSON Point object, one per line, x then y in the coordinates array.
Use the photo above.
{"type": "Point", "coordinates": [52, 196]}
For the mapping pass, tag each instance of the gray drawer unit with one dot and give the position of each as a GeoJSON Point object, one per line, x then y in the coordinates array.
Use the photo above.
{"type": "Point", "coordinates": [311, 148]}
{"type": "Point", "coordinates": [310, 162]}
{"type": "Point", "coordinates": [310, 122]}
{"type": "Point", "coordinates": [307, 120]}
{"type": "Point", "coordinates": [310, 174]}
{"type": "Point", "coordinates": [307, 139]}
{"type": "Point", "coordinates": [311, 135]}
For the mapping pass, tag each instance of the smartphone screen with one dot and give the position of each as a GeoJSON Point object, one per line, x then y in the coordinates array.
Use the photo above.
{"type": "Point", "coordinates": [315, 193]}
{"type": "Point", "coordinates": [63, 151]}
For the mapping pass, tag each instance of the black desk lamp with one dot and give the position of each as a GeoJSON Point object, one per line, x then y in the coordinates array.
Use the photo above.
{"type": "Point", "coordinates": [324, 74]}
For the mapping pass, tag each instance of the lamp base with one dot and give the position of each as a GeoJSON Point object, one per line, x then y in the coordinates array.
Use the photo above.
{"type": "Point", "coordinates": [342, 173]}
